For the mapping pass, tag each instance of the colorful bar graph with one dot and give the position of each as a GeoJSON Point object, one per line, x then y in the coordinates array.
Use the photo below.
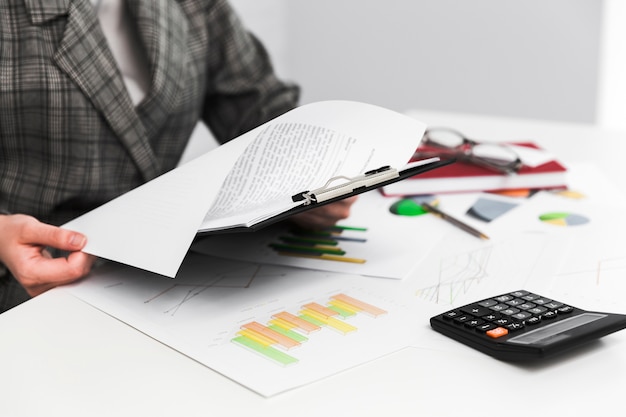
{"type": "Point", "coordinates": [297, 321]}
{"type": "Point", "coordinates": [321, 309]}
{"type": "Point", "coordinates": [279, 338]}
{"type": "Point", "coordinates": [308, 240]}
{"type": "Point", "coordinates": [326, 236]}
{"type": "Point", "coordinates": [331, 322]}
{"type": "Point", "coordinates": [289, 333]}
{"type": "Point", "coordinates": [282, 323]}
{"type": "Point", "coordinates": [268, 352]}
{"type": "Point", "coordinates": [340, 228]}
{"type": "Point", "coordinates": [314, 250]}
{"type": "Point", "coordinates": [285, 331]}
{"type": "Point", "coordinates": [323, 256]}
{"type": "Point", "coordinates": [343, 312]}
{"type": "Point", "coordinates": [259, 338]}
{"type": "Point", "coordinates": [367, 308]}
{"type": "Point", "coordinates": [318, 244]}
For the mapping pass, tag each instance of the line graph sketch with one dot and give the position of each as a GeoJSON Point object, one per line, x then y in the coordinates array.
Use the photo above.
{"type": "Point", "coordinates": [601, 271]}
{"type": "Point", "coordinates": [205, 282]}
{"type": "Point", "coordinates": [609, 268]}
{"type": "Point", "coordinates": [596, 284]}
{"type": "Point", "coordinates": [241, 278]}
{"type": "Point", "coordinates": [457, 275]}
{"type": "Point", "coordinates": [453, 275]}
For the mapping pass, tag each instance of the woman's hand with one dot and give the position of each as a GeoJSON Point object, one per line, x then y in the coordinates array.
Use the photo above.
{"type": "Point", "coordinates": [23, 242]}
{"type": "Point", "coordinates": [324, 216]}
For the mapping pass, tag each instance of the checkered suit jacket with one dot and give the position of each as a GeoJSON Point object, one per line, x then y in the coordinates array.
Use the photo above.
{"type": "Point", "coordinates": [70, 137]}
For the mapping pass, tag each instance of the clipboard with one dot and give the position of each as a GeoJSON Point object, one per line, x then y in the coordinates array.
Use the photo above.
{"type": "Point", "coordinates": [338, 188]}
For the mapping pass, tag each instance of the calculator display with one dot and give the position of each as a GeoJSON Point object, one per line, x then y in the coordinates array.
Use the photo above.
{"type": "Point", "coordinates": [555, 331]}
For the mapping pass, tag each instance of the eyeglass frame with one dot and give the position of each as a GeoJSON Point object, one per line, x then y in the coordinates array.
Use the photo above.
{"type": "Point", "coordinates": [463, 151]}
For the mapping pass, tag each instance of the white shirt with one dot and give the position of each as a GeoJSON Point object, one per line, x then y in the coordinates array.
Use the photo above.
{"type": "Point", "coordinates": [123, 39]}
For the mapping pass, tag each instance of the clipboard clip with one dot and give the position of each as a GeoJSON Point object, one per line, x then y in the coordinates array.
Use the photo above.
{"type": "Point", "coordinates": [350, 185]}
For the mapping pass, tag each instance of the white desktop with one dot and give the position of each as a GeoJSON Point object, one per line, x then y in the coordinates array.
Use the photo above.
{"type": "Point", "coordinates": [62, 356]}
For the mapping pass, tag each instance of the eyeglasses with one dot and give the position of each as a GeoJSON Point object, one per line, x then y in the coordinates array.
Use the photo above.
{"type": "Point", "coordinates": [498, 157]}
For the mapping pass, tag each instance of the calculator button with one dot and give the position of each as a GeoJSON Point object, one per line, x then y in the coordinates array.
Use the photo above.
{"type": "Point", "coordinates": [542, 300]}
{"type": "Point", "coordinates": [519, 293]}
{"type": "Point", "coordinates": [538, 310]}
{"type": "Point", "coordinates": [463, 318]}
{"type": "Point", "coordinates": [503, 298]}
{"type": "Point", "coordinates": [553, 305]}
{"type": "Point", "coordinates": [565, 309]}
{"type": "Point", "coordinates": [475, 310]}
{"type": "Point", "coordinates": [502, 321]}
{"type": "Point", "coordinates": [533, 320]}
{"type": "Point", "coordinates": [451, 314]}
{"type": "Point", "coordinates": [549, 315]}
{"type": "Point", "coordinates": [523, 315]}
{"type": "Point", "coordinates": [473, 323]}
{"type": "Point", "coordinates": [499, 307]}
{"type": "Point", "coordinates": [526, 306]}
{"type": "Point", "coordinates": [488, 303]}
{"type": "Point", "coordinates": [515, 302]}
{"type": "Point", "coordinates": [512, 327]}
{"type": "Point", "coordinates": [510, 311]}
{"type": "Point", "coordinates": [530, 297]}
{"type": "Point", "coordinates": [485, 327]}
{"type": "Point", "coordinates": [492, 316]}
{"type": "Point", "coordinates": [497, 332]}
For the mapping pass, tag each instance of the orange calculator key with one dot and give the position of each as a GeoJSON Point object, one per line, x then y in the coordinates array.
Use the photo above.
{"type": "Point", "coordinates": [497, 332]}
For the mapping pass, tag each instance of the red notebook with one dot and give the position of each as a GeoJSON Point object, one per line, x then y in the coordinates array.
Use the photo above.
{"type": "Point", "coordinates": [466, 177]}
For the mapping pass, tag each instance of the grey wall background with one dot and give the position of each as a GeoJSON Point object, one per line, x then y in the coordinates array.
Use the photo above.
{"type": "Point", "coordinates": [536, 58]}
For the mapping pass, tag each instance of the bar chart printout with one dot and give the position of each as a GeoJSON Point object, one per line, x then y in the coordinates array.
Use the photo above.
{"type": "Point", "coordinates": [319, 244]}
{"type": "Point", "coordinates": [279, 338]}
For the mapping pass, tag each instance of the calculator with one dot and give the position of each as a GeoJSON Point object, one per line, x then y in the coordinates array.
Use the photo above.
{"type": "Point", "coordinates": [522, 326]}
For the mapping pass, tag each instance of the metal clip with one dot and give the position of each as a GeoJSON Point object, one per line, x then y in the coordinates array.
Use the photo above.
{"type": "Point", "coordinates": [327, 192]}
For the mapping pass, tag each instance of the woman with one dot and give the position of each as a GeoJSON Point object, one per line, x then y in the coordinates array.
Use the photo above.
{"type": "Point", "coordinates": [98, 97]}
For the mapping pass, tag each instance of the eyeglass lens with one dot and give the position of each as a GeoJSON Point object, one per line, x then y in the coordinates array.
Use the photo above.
{"type": "Point", "coordinates": [495, 155]}
{"type": "Point", "coordinates": [445, 138]}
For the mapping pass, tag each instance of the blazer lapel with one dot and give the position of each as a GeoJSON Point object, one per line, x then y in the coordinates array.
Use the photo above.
{"type": "Point", "coordinates": [40, 12]}
{"type": "Point", "coordinates": [83, 54]}
{"type": "Point", "coordinates": [162, 27]}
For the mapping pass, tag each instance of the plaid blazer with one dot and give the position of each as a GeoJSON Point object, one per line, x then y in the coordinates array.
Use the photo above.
{"type": "Point", "coordinates": [70, 137]}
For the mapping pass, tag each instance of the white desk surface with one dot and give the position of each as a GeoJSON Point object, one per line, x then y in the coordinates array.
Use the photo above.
{"type": "Point", "coordinates": [59, 356]}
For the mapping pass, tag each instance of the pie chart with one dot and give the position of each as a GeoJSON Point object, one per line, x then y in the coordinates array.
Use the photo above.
{"type": "Point", "coordinates": [411, 206]}
{"type": "Point", "coordinates": [563, 219]}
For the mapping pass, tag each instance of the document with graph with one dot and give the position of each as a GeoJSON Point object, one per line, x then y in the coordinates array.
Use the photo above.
{"type": "Point", "coordinates": [269, 328]}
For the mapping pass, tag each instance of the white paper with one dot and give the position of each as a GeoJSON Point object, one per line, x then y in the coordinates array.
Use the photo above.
{"type": "Point", "coordinates": [202, 311]}
{"type": "Point", "coordinates": [153, 226]}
